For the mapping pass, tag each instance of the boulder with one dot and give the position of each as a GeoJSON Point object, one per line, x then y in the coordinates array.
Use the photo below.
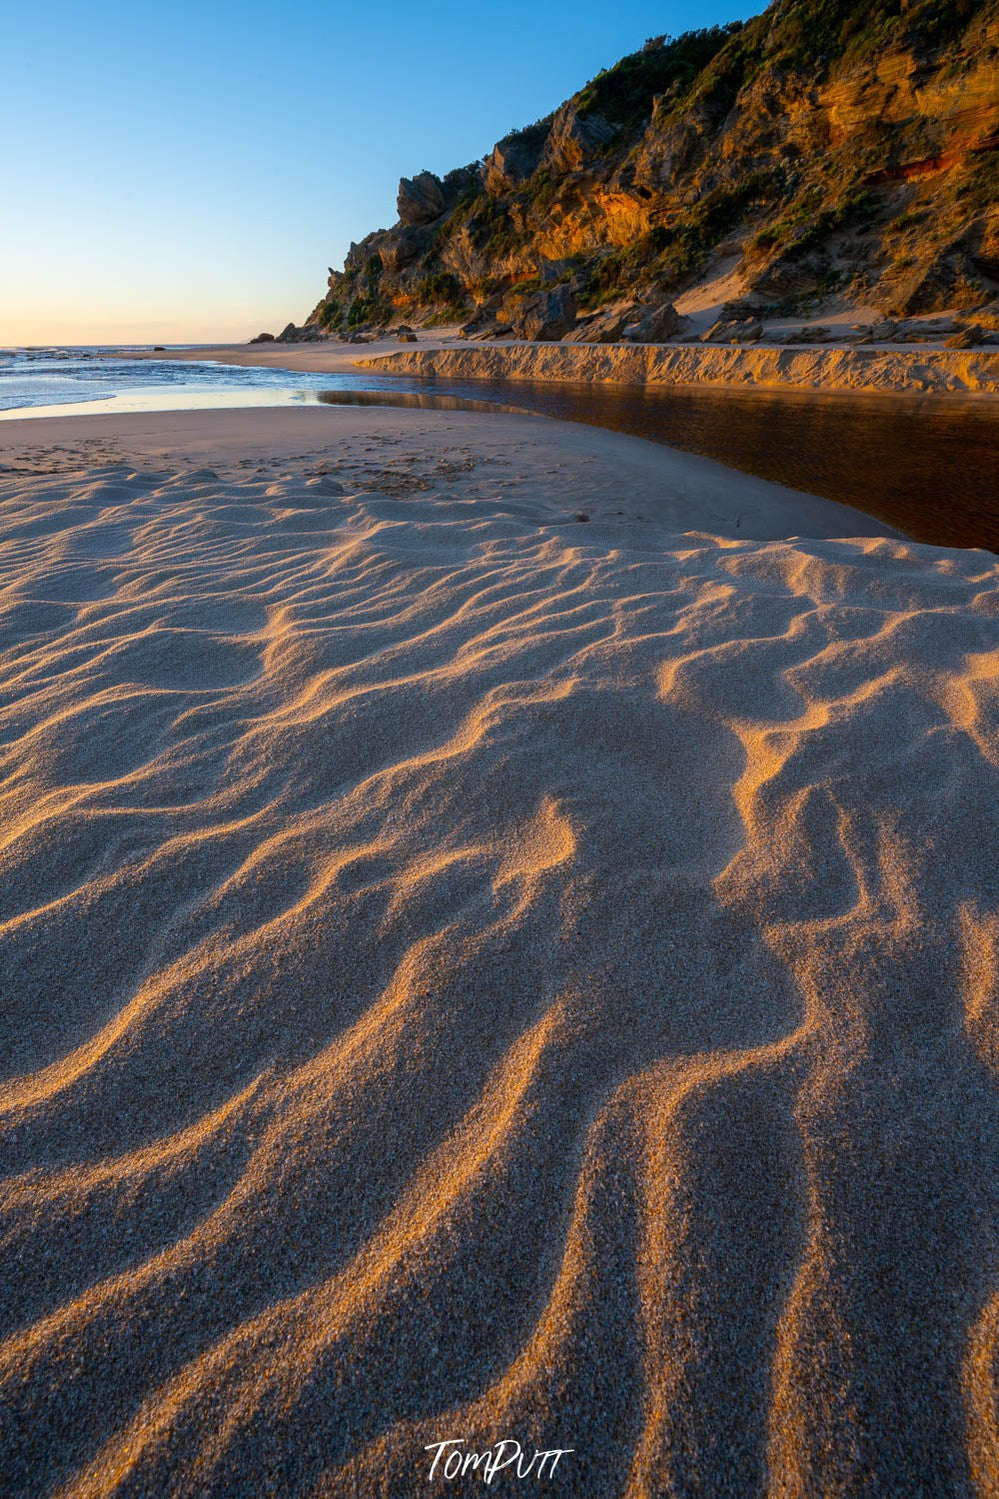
{"type": "Point", "coordinates": [930, 286]}
{"type": "Point", "coordinates": [748, 331]}
{"type": "Point", "coordinates": [485, 325]}
{"type": "Point", "coordinates": [584, 333]}
{"type": "Point", "coordinates": [484, 315]}
{"type": "Point", "coordinates": [654, 326]}
{"type": "Point", "coordinates": [737, 331]}
{"type": "Point", "coordinates": [606, 326]}
{"type": "Point", "coordinates": [791, 274]}
{"type": "Point", "coordinates": [546, 316]}
{"type": "Point", "coordinates": [968, 338]}
{"type": "Point", "coordinates": [479, 320]}
{"type": "Point", "coordinates": [309, 334]}
{"type": "Point", "coordinates": [263, 338]}
{"type": "Point", "coordinates": [420, 199]}
{"type": "Point", "coordinates": [406, 338]}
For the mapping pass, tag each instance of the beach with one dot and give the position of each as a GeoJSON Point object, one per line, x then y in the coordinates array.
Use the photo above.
{"type": "Point", "coordinates": [885, 369]}
{"type": "Point", "coordinates": [499, 944]}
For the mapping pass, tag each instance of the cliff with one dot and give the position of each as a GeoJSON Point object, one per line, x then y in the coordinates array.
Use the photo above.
{"type": "Point", "coordinates": [826, 150]}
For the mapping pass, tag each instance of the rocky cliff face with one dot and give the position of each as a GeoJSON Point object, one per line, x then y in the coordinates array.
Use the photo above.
{"type": "Point", "coordinates": [826, 148]}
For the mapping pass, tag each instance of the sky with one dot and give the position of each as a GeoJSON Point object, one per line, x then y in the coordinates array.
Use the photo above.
{"type": "Point", "coordinates": [186, 172]}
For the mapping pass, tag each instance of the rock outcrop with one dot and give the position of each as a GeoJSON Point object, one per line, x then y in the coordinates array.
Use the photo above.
{"type": "Point", "coordinates": [547, 315]}
{"type": "Point", "coordinates": [420, 200]}
{"type": "Point", "coordinates": [844, 150]}
{"type": "Point", "coordinates": [513, 160]}
{"type": "Point", "coordinates": [654, 326]}
{"type": "Point", "coordinates": [308, 333]}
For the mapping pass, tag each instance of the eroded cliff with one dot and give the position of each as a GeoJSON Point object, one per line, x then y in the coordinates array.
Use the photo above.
{"type": "Point", "coordinates": [825, 149]}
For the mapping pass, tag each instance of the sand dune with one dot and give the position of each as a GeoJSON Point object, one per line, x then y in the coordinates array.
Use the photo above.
{"type": "Point", "coordinates": [475, 973]}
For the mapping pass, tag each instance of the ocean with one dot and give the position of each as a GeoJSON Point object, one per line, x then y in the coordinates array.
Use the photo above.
{"type": "Point", "coordinates": [81, 381]}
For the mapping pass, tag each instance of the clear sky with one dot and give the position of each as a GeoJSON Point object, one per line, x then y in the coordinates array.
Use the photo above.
{"type": "Point", "coordinates": [186, 171]}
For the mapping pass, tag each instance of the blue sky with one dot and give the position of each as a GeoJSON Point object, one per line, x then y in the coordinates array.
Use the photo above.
{"type": "Point", "coordinates": [187, 171]}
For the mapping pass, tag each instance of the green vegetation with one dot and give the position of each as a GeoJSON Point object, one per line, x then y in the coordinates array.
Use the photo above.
{"type": "Point", "coordinates": [719, 82]}
{"type": "Point", "coordinates": [491, 227]}
{"type": "Point", "coordinates": [810, 219]}
{"type": "Point", "coordinates": [669, 252]}
{"type": "Point", "coordinates": [717, 134]}
{"type": "Point", "coordinates": [980, 190]}
{"type": "Point", "coordinates": [545, 187]}
{"type": "Point", "coordinates": [368, 305]}
{"type": "Point", "coordinates": [907, 220]}
{"type": "Point", "coordinates": [368, 310]}
{"type": "Point", "coordinates": [624, 94]}
{"type": "Point", "coordinates": [529, 284]}
{"type": "Point", "coordinates": [812, 34]}
{"type": "Point", "coordinates": [440, 289]}
{"type": "Point", "coordinates": [531, 137]}
{"type": "Point", "coordinates": [684, 245]}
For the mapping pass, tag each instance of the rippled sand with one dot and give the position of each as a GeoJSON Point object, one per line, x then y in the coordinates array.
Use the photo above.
{"type": "Point", "coordinates": [472, 972]}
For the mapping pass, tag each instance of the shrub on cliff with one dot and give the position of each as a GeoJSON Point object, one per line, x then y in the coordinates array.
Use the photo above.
{"type": "Point", "coordinates": [720, 141]}
{"type": "Point", "coordinates": [624, 94]}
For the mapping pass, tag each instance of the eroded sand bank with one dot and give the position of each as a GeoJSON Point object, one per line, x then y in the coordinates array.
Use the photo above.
{"type": "Point", "coordinates": [475, 972]}
{"type": "Point", "coordinates": [904, 371]}
{"type": "Point", "coordinates": [882, 369]}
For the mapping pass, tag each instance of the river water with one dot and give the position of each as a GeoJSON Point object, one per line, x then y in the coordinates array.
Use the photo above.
{"type": "Point", "coordinates": [926, 465]}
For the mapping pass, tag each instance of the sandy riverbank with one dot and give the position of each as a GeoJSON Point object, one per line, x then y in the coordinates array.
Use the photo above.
{"type": "Point", "coordinates": [477, 972]}
{"type": "Point", "coordinates": [936, 372]}
{"type": "Point", "coordinates": [881, 369]}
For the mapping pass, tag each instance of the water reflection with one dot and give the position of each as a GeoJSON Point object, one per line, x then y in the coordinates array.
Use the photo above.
{"type": "Point", "coordinates": [929, 467]}
{"type": "Point", "coordinates": [425, 400]}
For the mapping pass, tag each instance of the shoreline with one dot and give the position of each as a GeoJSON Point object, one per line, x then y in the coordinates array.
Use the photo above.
{"type": "Point", "coordinates": [882, 370]}
{"type": "Point", "coordinates": [835, 448]}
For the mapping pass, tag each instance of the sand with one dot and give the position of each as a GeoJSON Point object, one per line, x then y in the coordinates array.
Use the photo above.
{"type": "Point", "coordinates": [940, 373]}
{"type": "Point", "coordinates": [472, 972]}
{"type": "Point", "coordinates": [884, 369]}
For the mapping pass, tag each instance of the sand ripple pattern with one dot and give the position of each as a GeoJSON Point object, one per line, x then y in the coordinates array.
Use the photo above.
{"type": "Point", "coordinates": [465, 979]}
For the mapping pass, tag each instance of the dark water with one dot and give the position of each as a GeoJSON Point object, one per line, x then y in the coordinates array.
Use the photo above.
{"type": "Point", "coordinates": [929, 467]}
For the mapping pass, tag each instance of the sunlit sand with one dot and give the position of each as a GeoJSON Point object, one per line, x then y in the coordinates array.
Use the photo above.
{"type": "Point", "coordinates": [498, 942]}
